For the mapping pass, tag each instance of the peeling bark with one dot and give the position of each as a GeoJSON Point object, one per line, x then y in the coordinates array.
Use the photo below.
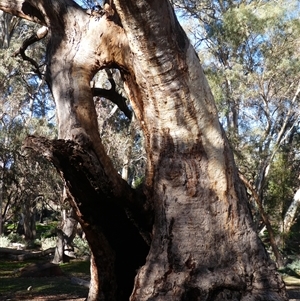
{"type": "Point", "coordinates": [204, 245]}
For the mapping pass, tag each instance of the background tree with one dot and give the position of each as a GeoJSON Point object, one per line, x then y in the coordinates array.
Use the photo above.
{"type": "Point", "coordinates": [120, 134]}
{"type": "Point", "coordinates": [26, 107]}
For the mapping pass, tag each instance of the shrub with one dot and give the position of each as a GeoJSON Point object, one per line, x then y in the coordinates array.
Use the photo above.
{"type": "Point", "coordinates": [81, 247]}
{"type": "Point", "coordinates": [15, 237]}
{"type": "Point", "coordinates": [294, 266]}
{"type": "Point", "coordinates": [4, 241]}
{"type": "Point", "coordinates": [49, 242]}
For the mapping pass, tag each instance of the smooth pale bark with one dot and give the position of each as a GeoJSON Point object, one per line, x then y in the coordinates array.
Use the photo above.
{"type": "Point", "coordinates": [290, 214]}
{"type": "Point", "coordinates": [203, 245]}
{"type": "Point", "coordinates": [65, 235]}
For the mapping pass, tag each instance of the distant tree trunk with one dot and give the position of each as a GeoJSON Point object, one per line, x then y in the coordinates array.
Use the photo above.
{"type": "Point", "coordinates": [128, 150]}
{"type": "Point", "coordinates": [28, 216]}
{"type": "Point", "coordinates": [59, 249]}
{"type": "Point", "coordinates": [289, 217]}
{"type": "Point", "coordinates": [64, 249]}
{"type": "Point", "coordinates": [266, 221]}
{"type": "Point", "coordinates": [8, 24]}
{"type": "Point", "coordinates": [193, 213]}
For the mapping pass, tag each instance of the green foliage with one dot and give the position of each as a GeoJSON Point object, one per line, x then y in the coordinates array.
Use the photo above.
{"type": "Point", "coordinates": [26, 107]}
{"type": "Point", "coordinates": [280, 192]}
{"type": "Point", "coordinates": [46, 230]}
{"type": "Point", "coordinates": [81, 247]}
{"type": "Point", "coordinates": [49, 242]}
{"type": "Point", "coordinates": [32, 244]}
{"type": "Point", "coordinates": [14, 237]}
{"type": "Point", "coordinates": [293, 268]}
{"type": "Point", "coordinates": [138, 182]}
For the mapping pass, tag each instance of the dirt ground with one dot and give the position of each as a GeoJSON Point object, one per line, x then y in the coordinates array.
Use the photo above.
{"type": "Point", "coordinates": [293, 293]}
{"type": "Point", "coordinates": [47, 298]}
{"type": "Point", "coordinates": [73, 294]}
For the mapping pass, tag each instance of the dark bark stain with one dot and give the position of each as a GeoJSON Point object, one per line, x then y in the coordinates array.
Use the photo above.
{"type": "Point", "coordinates": [172, 251]}
{"type": "Point", "coordinates": [101, 214]}
{"type": "Point", "coordinates": [191, 294]}
{"type": "Point", "coordinates": [33, 12]}
{"type": "Point", "coordinates": [224, 293]}
{"type": "Point", "coordinates": [189, 263]}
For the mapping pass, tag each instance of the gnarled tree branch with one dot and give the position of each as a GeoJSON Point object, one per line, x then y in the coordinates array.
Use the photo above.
{"type": "Point", "coordinates": [23, 9]}
{"type": "Point", "coordinates": [40, 34]}
{"type": "Point", "coordinates": [66, 155]}
{"type": "Point", "coordinates": [114, 96]}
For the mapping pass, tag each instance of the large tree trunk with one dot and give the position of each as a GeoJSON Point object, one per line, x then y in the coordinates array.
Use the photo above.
{"type": "Point", "coordinates": [27, 221]}
{"type": "Point", "coordinates": [203, 244]}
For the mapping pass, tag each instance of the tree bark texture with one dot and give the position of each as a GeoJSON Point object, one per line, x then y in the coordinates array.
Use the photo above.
{"type": "Point", "coordinates": [116, 245]}
{"type": "Point", "coordinates": [65, 235]}
{"type": "Point", "coordinates": [202, 241]}
{"type": "Point", "coordinates": [290, 215]}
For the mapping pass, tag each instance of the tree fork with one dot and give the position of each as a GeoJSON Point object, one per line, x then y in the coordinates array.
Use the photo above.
{"type": "Point", "coordinates": [202, 232]}
{"type": "Point", "coordinates": [116, 244]}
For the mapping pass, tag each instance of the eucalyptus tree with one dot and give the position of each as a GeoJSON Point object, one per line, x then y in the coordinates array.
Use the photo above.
{"type": "Point", "coordinates": [25, 107]}
{"type": "Point", "coordinates": [189, 234]}
{"type": "Point", "coordinates": [250, 53]}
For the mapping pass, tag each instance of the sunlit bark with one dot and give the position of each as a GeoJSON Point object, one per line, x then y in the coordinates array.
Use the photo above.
{"type": "Point", "coordinates": [290, 215]}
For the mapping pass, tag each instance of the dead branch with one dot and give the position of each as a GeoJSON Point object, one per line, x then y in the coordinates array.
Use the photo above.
{"type": "Point", "coordinates": [65, 156]}
{"type": "Point", "coordinates": [22, 255]}
{"type": "Point", "coordinates": [37, 36]}
{"type": "Point", "coordinates": [265, 219]}
{"type": "Point", "coordinates": [114, 96]}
